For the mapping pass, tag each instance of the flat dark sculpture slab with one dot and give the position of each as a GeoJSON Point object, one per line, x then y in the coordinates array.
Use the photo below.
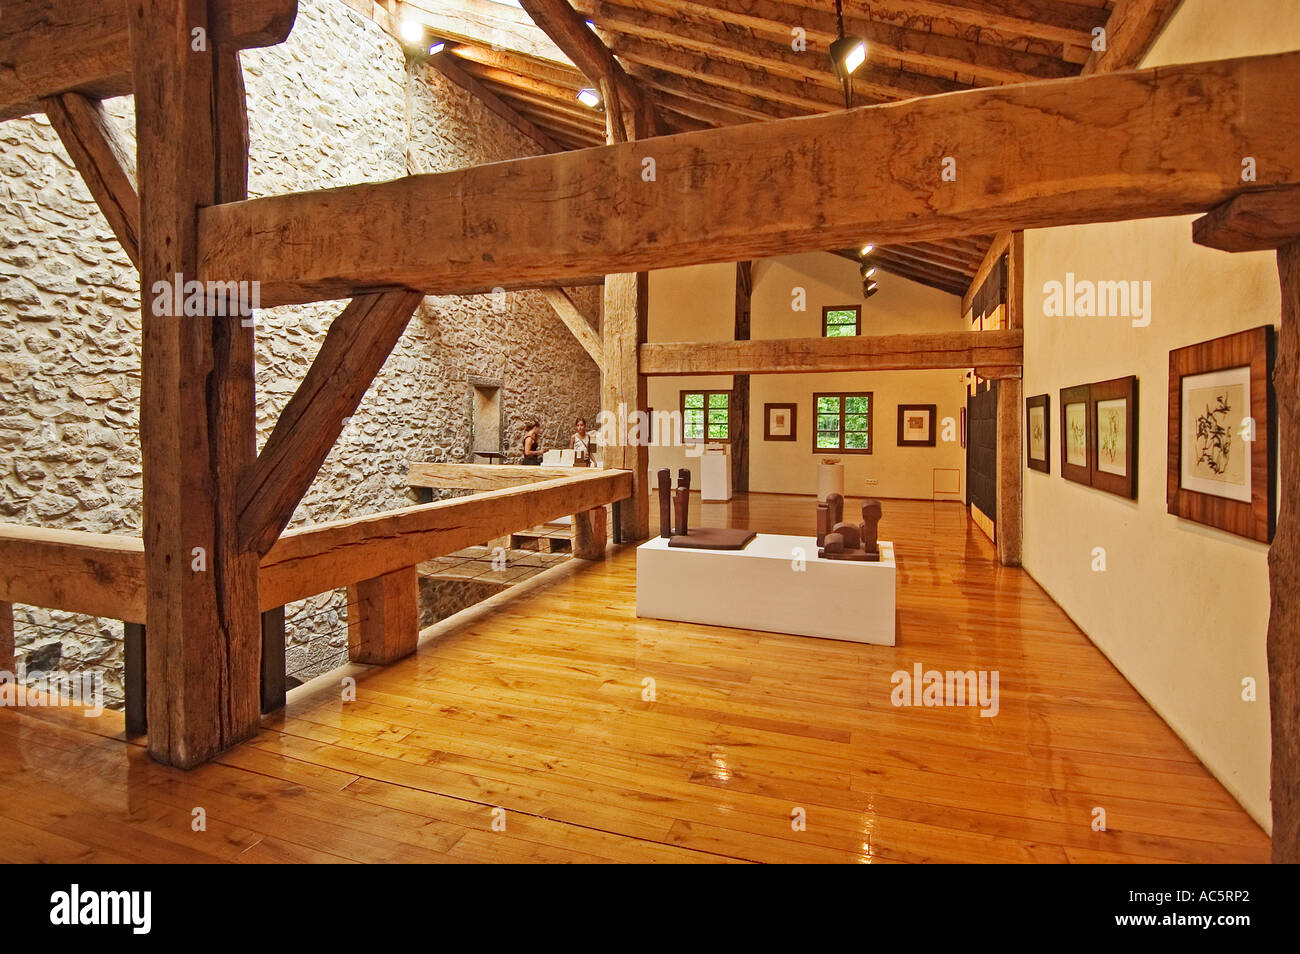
{"type": "Point", "coordinates": [859, 556]}
{"type": "Point", "coordinates": [713, 538]}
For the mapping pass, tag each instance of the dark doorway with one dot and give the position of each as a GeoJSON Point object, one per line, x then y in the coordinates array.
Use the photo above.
{"type": "Point", "coordinates": [982, 449]}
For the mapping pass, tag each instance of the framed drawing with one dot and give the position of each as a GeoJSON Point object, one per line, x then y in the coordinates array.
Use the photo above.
{"type": "Point", "coordinates": [1038, 432]}
{"type": "Point", "coordinates": [1113, 424]}
{"type": "Point", "coordinates": [916, 425]}
{"type": "Point", "coordinates": [1222, 465]}
{"type": "Point", "coordinates": [780, 422]}
{"type": "Point", "coordinates": [1075, 434]}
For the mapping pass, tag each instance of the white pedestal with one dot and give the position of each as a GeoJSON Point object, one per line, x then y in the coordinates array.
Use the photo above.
{"type": "Point", "coordinates": [760, 588]}
{"type": "Point", "coordinates": [715, 476]}
{"type": "Point", "coordinates": [830, 480]}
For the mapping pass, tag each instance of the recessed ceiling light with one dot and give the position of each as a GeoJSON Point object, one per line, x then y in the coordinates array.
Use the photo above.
{"type": "Point", "coordinates": [589, 97]}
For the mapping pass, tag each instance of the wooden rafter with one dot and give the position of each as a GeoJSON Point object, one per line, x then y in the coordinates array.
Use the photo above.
{"type": "Point", "coordinates": [1175, 134]}
{"type": "Point", "coordinates": [49, 47]}
{"type": "Point", "coordinates": [1131, 29]}
{"type": "Point", "coordinates": [447, 66]}
{"type": "Point", "coordinates": [576, 322]}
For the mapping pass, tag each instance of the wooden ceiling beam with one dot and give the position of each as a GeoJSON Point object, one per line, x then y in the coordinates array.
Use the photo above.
{"type": "Point", "coordinates": [768, 52]}
{"type": "Point", "coordinates": [1255, 222]}
{"type": "Point", "coordinates": [483, 23]}
{"type": "Point", "coordinates": [949, 276]}
{"type": "Point", "coordinates": [570, 32]}
{"type": "Point", "coordinates": [1173, 136]}
{"type": "Point", "coordinates": [49, 47]}
{"type": "Point", "coordinates": [1070, 24]}
{"type": "Point", "coordinates": [1000, 245]}
{"type": "Point", "coordinates": [1132, 27]}
{"type": "Point", "coordinates": [706, 94]}
{"type": "Point", "coordinates": [445, 64]}
{"type": "Point", "coordinates": [923, 274]}
{"type": "Point", "coordinates": [933, 253]}
{"type": "Point", "coordinates": [577, 324]}
{"type": "Point", "coordinates": [551, 74]}
{"type": "Point", "coordinates": [773, 19]}
{"type": "Point", "coordinates": [907, 352]}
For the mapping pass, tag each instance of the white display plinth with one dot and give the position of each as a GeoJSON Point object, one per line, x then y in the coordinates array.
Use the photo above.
{"type": "Point", "coordinates": [715, 476]}
{"type": "Point", "coordinates": [760, 588]}
{"type": "Point", "coordinates": [830, 480]}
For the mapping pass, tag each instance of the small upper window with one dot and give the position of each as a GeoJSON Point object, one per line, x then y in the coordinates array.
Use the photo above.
{"type": "Point", "coordinates": [841, 321]}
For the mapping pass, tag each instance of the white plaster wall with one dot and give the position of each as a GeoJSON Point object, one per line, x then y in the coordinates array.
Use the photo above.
{"type": "Point", "coordinates": [1182, 609]}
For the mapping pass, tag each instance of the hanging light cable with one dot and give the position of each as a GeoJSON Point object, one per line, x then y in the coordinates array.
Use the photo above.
{"type": "Point", "coordinates": [847, 54]}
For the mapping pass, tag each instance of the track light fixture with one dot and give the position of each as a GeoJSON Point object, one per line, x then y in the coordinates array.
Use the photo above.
{"type": "Point", "coordinates": [867, 250]}
{"type": "Point", "coordinates": [847, 54]}
{"type": "Point", "coordinates": [589, 98]}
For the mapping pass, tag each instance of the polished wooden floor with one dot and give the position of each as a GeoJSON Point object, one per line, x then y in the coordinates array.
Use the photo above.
{"type": "Point", "coordinates": [528, 715]}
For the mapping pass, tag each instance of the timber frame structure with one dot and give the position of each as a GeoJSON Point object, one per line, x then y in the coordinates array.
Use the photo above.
{"type": "Point", "coordinates": [213, 556]}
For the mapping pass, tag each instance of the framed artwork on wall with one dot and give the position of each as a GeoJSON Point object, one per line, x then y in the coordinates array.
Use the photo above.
{"type": "Point", "coordinates": [1222, 464]}
{"type": "Point", "coordinates": [1038, 432]}
{"type": "Point", "coordinates": [780, 422]}
{"type": "Point", "coordinates": [1113, 422]}
{"type": "Point", "coordinates": [916, 425]}
{"type": "Point", "coordinates": [1074, 439]}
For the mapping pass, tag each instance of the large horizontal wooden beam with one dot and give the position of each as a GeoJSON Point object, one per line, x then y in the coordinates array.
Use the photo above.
{"type": "Point", "coordinates": [306, 561]}
{"type": "Point", "coordinates": [457, 476]}
{"type": "Point", "coordinates": [957, 349]}
{"type": "Point", "coordinates": [1167, 141]}
{"type": "Point", "coordinates": [1253, 222]}
{"type": "Point", "coordinates": [57, 46]}
{"type": "Point", "coordinates": [104, 575]}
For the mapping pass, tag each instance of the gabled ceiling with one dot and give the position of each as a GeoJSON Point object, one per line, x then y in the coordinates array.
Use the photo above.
{"type": "Point", "coordinates": [709, 63]}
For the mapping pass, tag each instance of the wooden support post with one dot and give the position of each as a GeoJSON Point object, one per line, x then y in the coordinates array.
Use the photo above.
{"type": "Point", "coordinates": [590, 533]}
{"type": "Point", "coordinates": [134, 678]}
{"type": "Point", "coordinates": [1010, 420]}
{"type": "Point", "coordinates": [624, 392]}
{"type": "Point", "coordinates": [384, 617]}
{"type": "Point", "coordinates": [7, 650]}
{"type": "Point", "coordinates": [1284, 574]}
{"type": "Point", "coordinates": [273, 676]}
{"type": "Point", "coordinates": [739, 414]}
{"type": "Point", "coordinates": [197, 424]}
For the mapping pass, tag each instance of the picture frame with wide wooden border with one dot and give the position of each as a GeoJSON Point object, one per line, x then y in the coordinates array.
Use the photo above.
{"type": "Point", "coordinates": [780, 422]}
{"type": "Point", "coordinates": [1222, 461]}
{"type": "Point", "coordinates": [916, 425]}
{"type": "Point", "coordinates": [1076, 437]}
{"type": "Point", "coordinates": [1038, 433]}
{"type": "Point", "coordinates": [1113, 425]}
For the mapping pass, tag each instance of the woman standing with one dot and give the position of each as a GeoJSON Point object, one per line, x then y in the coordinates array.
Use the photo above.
{"type": "Point", "coordinates": [583, 444]}
{"type": "Point", "coordinates": [533, 443]}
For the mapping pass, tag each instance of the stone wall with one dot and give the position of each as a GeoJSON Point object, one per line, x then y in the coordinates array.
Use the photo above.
{"type": "Point", "coordinates": [337, 103]}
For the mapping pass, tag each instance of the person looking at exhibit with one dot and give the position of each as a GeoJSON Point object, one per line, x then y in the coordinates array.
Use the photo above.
{"type": "Point", "coordinates": [533, 443]}
{"type": "Point", "coordinates": [583, 444]}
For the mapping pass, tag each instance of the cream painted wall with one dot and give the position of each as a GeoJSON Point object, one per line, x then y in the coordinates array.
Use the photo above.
{"type": "Point", "coordinates": [698, 304]}
{"type": "Point", "coordinates": [1182, 609]}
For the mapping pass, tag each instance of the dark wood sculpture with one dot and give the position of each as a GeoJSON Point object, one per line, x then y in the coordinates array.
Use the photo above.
{"type": "Point", "coordinates": [682, 503]}
{"type": "Point", "coordinates": [838, 540]}
{"type": "Point", "coordinates": [704, 538]}
{"type": "Point", "coordinates": [665, 503]}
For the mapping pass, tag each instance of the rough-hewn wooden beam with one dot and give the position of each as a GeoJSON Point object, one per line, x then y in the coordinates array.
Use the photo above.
{"type": "Point", "coordinates": [97, 574]}
{"type": "Point", "coordinates": [590, 534]}
{"type": "Point", "coordinates": [197, 423]}
{"type": "Point", "coordinates": [1010, 411]}
{"type": "Point", "coordinates": [104, 159]}
{"type": "Point", "coordinates": [56, 46]}
{"type": "Point", "coordinates": [384, 617]}
{"type": "Point", "coordinates": [1131, 29]}
{"type": "Point", "coordinates": [949, 349]}
{"type": "Point", "coordinates": [576, 322]}
{"type": "Point", "coordinates": [1067, 23]}
{"type": "Point", "coordinates": [624, 392]}
{"type": "Point", "coordinates": [999, 246]}
{"type": "Point", "coordinates": [1284, 575]}
{"type": "Point", "coordinates": [484, 23]}
{"type": "Point", "coordinates": [355, 348]}
{"type": "Point", "coordinates": [7, 647]}
{"type": "Point", "coordinates": [1116, 146]}
{"type": "Point", "coordinates": [1252, 222]}
{"type": "Point", "coordinates": [455, 475]}
{"type": "Point", "coordinates": [445, 64]}
{"type": "Point", "coordinates": [770, 22]}
{"type": "Point", "coordinates": [304, 561]}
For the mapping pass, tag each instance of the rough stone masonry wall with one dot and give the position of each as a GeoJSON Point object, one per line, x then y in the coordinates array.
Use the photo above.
{"type": "Point", "coordinates": [335, 104]}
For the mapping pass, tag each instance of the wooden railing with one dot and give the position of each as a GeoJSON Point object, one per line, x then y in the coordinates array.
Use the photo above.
{"type": "Point", "coordinates": [374, 556]}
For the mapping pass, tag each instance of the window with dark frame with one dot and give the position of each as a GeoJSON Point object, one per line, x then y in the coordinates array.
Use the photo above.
{"type": "Point", "coordinates": [706, 416]}
{"type": "Point", "coordinates": [841, 321]}
{"type": "Point", "coordinates": [843, 423]}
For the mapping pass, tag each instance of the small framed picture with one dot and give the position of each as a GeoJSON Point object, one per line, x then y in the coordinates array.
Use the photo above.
{"type": "Point", "coordinates": [780, 422]}
{"type": "Point", "coordinates": [1113, 419]}
{"type": "Point", "coordinates": [1038, 432]}
{"type": "Point", "coordinates": [1074, 438]}
{"type": "Point", "coordinates": [916, 425]}
{"type": "Point", "coordinates": [1222, 462]}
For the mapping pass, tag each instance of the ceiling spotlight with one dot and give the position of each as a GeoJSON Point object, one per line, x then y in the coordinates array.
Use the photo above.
{"type": "Point", "coordinates": [847, 54]}
{"type": "Point", "coordinates": [867, 273]}
{"type": "Point", "coordinates": [869, 289]}
{"type": "Point", "coordinates": [867, 249]}
{"type": "Point", "coordinates": [437, 48]}
{"type": "Point", "coordinates": [589, 97]}
{"type": "Point", "coordinates": [411, 31]}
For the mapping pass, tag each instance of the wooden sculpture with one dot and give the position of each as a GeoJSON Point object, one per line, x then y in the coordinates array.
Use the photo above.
{"type": "Point", "coordinates": [838, 540]}
{"type": "Point", "coordinates": [665, 503]}
{"type": "Point", "coordinates": [682, 503]}
{"type": "Point", "coordinates": [704, 538]}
